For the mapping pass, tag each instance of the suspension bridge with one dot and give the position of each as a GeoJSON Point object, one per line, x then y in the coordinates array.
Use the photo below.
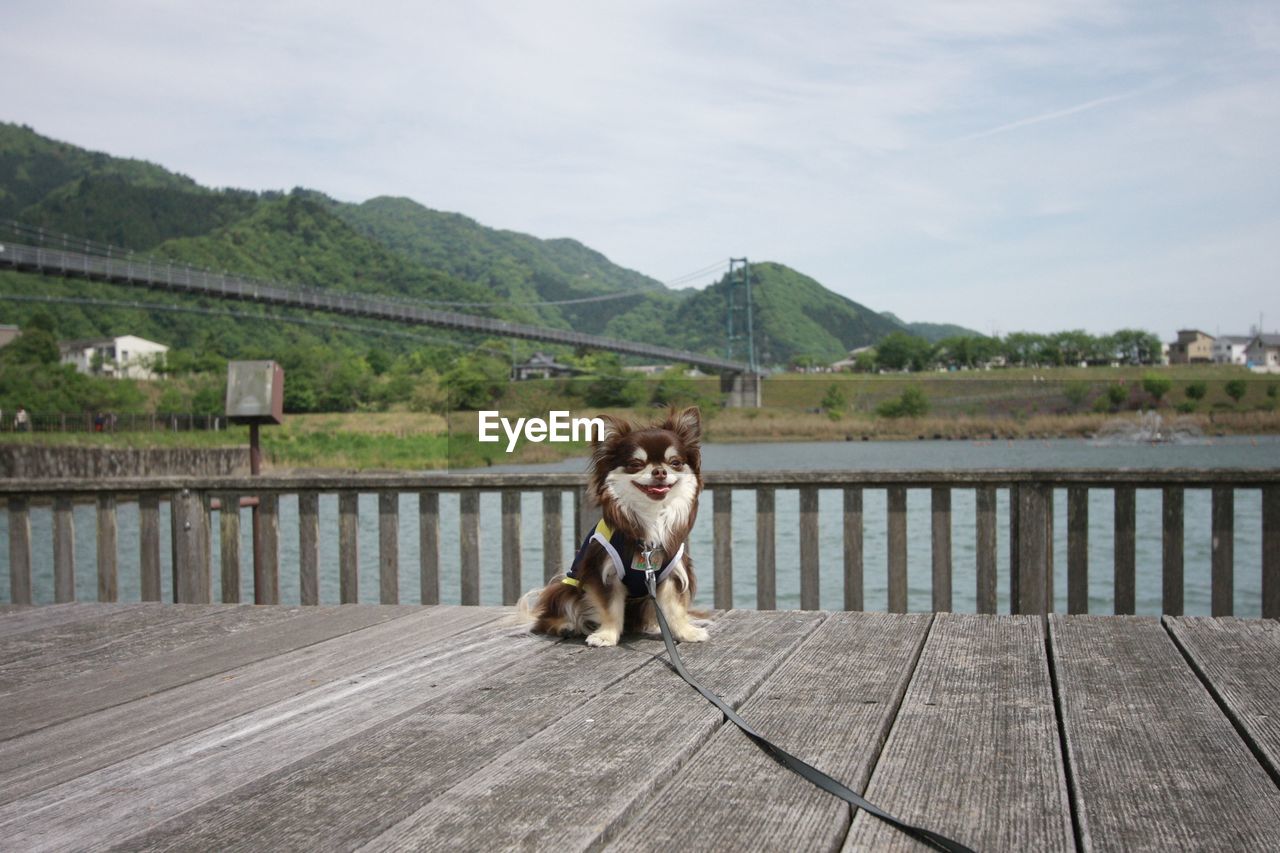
{"type": "Point", "coordinates": [738, 378]}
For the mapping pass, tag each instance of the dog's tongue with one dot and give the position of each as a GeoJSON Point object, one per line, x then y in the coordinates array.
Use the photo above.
{"type": "Point", "coordinates": [656, 491]}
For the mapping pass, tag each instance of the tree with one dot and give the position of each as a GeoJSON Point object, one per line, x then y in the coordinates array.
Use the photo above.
{"type": "Point", "coordinates": [1118, 394]}
{"type": "Point", "coordinates": [1235, 389]}
{"type": "Point", "coordinates": [475, 381]}
{"type": "Point", "coordinates": [33, 346]}
{"type": "Point", "coordinates": [901, 351]}
{"type": "Point", "coordinates": [1195, 391]}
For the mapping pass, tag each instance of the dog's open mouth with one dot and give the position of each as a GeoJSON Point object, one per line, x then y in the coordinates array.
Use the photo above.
{"type": "Point", "coordinates": [657, 491]}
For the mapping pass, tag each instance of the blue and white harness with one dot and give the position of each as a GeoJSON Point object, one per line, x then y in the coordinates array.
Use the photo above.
{"type": "Point", "coordinates": [622, 550]}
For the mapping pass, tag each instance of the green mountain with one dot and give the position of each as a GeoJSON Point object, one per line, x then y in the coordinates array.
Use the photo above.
{"type": "Point", "coordinates": [387, 246]}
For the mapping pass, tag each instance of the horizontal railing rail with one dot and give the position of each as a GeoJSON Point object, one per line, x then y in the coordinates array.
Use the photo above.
{"type": "Point", "coordinates": [1030, 520]}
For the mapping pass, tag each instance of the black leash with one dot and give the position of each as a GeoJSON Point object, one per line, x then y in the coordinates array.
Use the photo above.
{"type": "Point", "coordinates": [786, 759]}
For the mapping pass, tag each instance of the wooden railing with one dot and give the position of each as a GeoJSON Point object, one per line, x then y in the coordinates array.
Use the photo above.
{"type": "Point", "coordinates": [1030, 524]}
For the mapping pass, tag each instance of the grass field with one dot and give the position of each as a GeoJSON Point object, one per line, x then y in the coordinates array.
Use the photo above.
{"type": "Point", "coordinates": [963, 405]}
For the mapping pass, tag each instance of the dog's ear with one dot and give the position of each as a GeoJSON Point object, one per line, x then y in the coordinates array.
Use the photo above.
{"type": "Point", "coordinates": [614, 427]}
{"type": "Point", "coordinates": [687, 424]}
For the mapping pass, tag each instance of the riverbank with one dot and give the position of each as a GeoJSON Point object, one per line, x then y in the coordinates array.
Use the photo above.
{"type": "Point", "coordinates": [416, 441]}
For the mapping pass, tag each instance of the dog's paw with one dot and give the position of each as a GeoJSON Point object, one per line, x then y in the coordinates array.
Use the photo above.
{"type": "Point", "coordinates": [600, 639]}
{"type": "Point", "coordinates": [693, 634]}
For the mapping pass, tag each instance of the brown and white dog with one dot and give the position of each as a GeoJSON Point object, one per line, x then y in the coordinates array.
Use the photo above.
{"type": "Point", "coordinates": [646, 481]}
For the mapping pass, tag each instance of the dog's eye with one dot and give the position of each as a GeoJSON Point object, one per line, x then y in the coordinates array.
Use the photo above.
{"type": "Point", "coordinates": [676, 463]}
{"type": "Point", "coordinates": [634, 465]}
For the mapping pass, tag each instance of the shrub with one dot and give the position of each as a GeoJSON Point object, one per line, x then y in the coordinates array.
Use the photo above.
{"type": "Point", "coordinates": [1235, 389]}
{"type": "Point", "coordinates": [912, 404]}
{"type": "Point", "coordinates": [1195, 390]}
{"type": "Point", "coordinates": [835, 402]}
{"type": "Point", "coordinates": [1117, 394]}
{"type": "Point", "coordinates": [1156, 385]}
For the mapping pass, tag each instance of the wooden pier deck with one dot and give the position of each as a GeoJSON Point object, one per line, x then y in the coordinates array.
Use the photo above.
{"type": "Point", "coordinates": [214, 727]}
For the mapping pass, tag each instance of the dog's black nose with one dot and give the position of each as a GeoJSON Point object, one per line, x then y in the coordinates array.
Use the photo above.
{"type": "Point", "coordinates": [659, 474]}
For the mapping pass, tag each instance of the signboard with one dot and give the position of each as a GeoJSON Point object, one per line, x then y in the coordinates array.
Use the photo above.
{"type": "Point", "coordinates": [255, 392]}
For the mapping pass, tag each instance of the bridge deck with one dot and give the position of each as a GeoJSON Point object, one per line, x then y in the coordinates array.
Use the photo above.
{"type": "Point", "coordinates": [208, 727]}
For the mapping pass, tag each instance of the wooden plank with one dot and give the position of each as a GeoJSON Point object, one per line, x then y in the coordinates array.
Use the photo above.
{"type": "Point", "coordinates": [64, 551]}
{"type": "Point", "coordinates": [722, 547]}
{"type": "Point", "coordinates": [1077, 549]}
{"type": "Point", "coordinates": [810, 568]}
{"type": "Point", "coordinates": [171, 779]}
{"type": "Point", "coordinates": [552, 529]}
{"type": "Point", "coordinates": [168, 656]}
{"type": "Point", "coordinates": [469, 545]}
{"type": "Point", "coordinates": [766, 550]}
{"type": "Point", "coordinates": [389, 547]}
{"type": "Point", "coordinates": [1125, 550]}
{"type": "Point", "coordinates": [349, 547]}
{"type": "Point", "coordinates": [23, 620]}
{"type": "Point", "coordinates": [1154, 763]}
{"type": "Point", "coordinates": [266, 578]}
{"type": "Point", "coordinates": [309, 547]}
{"type": "Point", "coordinates": [897, 542]}
{"type": "Point", "coordinates": [940, 512]}
{"type": "Point", "coordinates": [1270, 552]}
{"type": "Point", "coordinates": [832, 704]}
{"type": "Point", "coordinates": [522, 796]}
{"type": "Point", "coordinates": [1238, 659]}
{"type": "Point", "coordinates": [229, 551]}
{"type": "Point", "coordinates": [357, 638]}
{"type": "Point", "coordinates": [511, 547]}
{"type": "Point", "coordinates": [348, 794]}
{"type": "Point", "coordinates": [1222, 591]}
{"type": "Point", "coordinates": [149, 538]}
{"type": "Point", "coordinates": [974, 752]}
{"type": "Point", "coordinates": [19, 550]}
{"type": "Point", "coordinates": [429, 546]}
{"type": "Point", "coordinates": [81, 647]}
{"type": "Point", "coordinates": [853, 587]}
{"type": "Point", "coordinates": [985, 544]}
{"type": "Point", "coordinates": [1171, 512]}
{"type": "Point", "coordinates": [108, 574]}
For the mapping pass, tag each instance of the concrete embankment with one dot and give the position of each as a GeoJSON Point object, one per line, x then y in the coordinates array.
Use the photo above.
{"type": "Point", "coordinates": [62, 462]}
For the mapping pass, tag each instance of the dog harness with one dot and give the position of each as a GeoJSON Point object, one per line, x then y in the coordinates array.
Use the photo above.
{"type": "Point", "coordinates": [622, 550]}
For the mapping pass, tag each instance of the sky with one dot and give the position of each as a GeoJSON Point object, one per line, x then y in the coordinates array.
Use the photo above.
{"type": "Point", "coordinates": [1007, 166]}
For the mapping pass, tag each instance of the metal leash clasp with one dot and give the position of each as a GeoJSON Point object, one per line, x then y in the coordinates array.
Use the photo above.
{"type": "Point", "coordinates": [649, 572]}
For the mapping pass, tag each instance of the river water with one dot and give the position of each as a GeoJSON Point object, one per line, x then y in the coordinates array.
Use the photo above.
{"type": "Point", "coordinates": [1247, 452]}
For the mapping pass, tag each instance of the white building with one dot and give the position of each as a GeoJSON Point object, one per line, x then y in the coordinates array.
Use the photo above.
{"type": "Point", "coordinates": [125, 357]}
{"type": "Point", "coordinates": [1230, 349]}
{"type": "Point", "coordinates": [1263, 353]}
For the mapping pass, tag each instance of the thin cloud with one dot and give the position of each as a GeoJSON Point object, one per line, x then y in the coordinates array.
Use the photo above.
{"type": "Point", "coordinates": [1062, 113]}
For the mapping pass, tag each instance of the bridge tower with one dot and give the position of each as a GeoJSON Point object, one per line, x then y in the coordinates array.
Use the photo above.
{"type": "Point", "coordinates": [743, 388]}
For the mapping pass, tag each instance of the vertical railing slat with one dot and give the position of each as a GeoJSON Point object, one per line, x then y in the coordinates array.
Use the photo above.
{"type": "Point", "coordinates": [897, 543]}
{"type": "Point", "coordinates": [1033, 548]}
{"type": "Point", "coordinates": [1271, 552]}
{"type": "Point", "coordinates": [940, 510]}
{"type": "Point", "coordinates": [349, 547]}
{"type": "Point", "coordinates": [309, 548]}
{"type": "Point", "coordinates": [1171, 550]}
{"type": "Point", "coordinates": [149, 537]}
{"type": "Point", "coordinates": [190, 536]}
{"type": "Point", "coordinates": [1125, 549]}
{"type": "Point", "coordinates": [552, 530]}
{"type": "Point", "coordinates": [722, 546]}
{"type": "Point", "coordinates": [266, 578]}
{"type": "Point", "coordinates": [511, 550]}
{"type": "Point", "coordinates": [1223, 554]}
{"type": "Point", "coordinates": [429, 546]}
{"type": "Point", "coordinates": [810, 567]}
{"type": "Point", "coordinates": [853, 591]}
{"type": "Point", "coordinates": [766, 551]}
{"type": "Point", "coordinates": [469, 545]}
{"type": "Point", "coordinates": [389, 547]}
{"type": "Point", "coordinates": [985, 546]}
{"type": "Point", "coordinates": [108, 577]}
{"type": "Point", "coordinates": [1078, 549]}
{"type": "Point", "coordinates": [1015, 547]}
{"type": "Point", "coordinates": [64, 551]}
{"type": "Point", "coordinates": [20, 550]}
{"type": "Point", "coordinates": [229, 552]}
